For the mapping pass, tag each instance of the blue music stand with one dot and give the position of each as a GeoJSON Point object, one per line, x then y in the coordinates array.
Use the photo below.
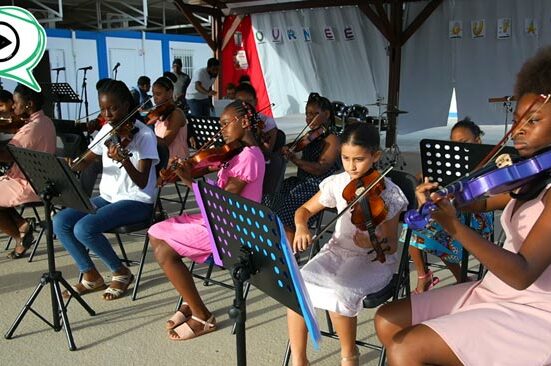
{"type": "Point", "coordinates": [248, 239]}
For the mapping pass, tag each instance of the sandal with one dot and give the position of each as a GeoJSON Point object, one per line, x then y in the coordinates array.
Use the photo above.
{"type": "Point", "coordinates": [433, 281]}
{"type": "Point", "coordinates": [179, 317]}
{"type": "Point", "coordinates": [117, 293]}
{"type": "Point", "coordinates": [86, 287]}
{"type": "Point", "coordinates": [184, 332]}
{"type": "Point", "coordinates": [355, 358]}
{"type": "Point", "coordinates": [27, 240]}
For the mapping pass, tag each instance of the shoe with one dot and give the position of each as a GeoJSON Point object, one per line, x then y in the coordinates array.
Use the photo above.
{"type": "Point", "coordinates": [184, 332]}
{"type": "Point", "coordinates": [354, 359]}
{"type": "Point", "coordinates": [86, 287]}
{"type": "Point", "coordinates": [26, 242]}
{"type": "Point", "coordinates": [433, 281]}
{"type": "Point", "coordinates": [117, 293]}
{"type": "Point", "coordinates": [178, 318]}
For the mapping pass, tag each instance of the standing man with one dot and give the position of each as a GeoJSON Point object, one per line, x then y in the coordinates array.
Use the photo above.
{"type": "Point", "coordinates": [180, 85]}
{"type": "Point", "coordinates": [199, 96]}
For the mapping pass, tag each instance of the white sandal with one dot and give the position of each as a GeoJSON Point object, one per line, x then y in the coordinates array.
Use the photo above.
{"type": "Point", "coordinates": [89, 286]}
{"type": "Point", "coordinates": [117, 293]}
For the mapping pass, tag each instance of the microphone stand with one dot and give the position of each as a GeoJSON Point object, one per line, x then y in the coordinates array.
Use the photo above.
{"type": "Point", "coordinates": [508, 109]}
{"type": "Point", "coordinates": [58, 103]}
{"type": "Point", "coordinates": [84, 92]}
{"type": "Point", "coordinates": [116, 72]}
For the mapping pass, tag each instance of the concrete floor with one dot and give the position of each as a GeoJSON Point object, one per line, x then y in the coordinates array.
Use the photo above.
{"type": "Point", "coordinates": [126, 332]}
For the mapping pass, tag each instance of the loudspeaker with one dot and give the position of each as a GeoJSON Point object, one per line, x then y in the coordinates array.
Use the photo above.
{"type": "Point", "coordinates": [43, 76]}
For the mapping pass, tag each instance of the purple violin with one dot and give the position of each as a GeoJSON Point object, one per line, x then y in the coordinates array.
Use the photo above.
{"type": "Point", "coordinates": [491, 183]}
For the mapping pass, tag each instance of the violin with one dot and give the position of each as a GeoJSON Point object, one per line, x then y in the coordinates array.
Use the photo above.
{"type": "Point", "coordinates": [370, 211]}
{"type": "Point", "coordinates": [500, 180]}
{"type": "Point", "coordinates": [122, 138]}
{"type": "Point", "coordinates": [11, 123]}
{"type": "Point", "coordinates": [202, 162]}
{"type": "Point", "coordinates": [506, 178]}
{"type": "Point", "coordinates": [160, 112]}
{"type": "Point", "coordinates": [310, 137]}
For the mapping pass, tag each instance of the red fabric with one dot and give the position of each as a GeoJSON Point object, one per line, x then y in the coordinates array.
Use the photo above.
{"type": "Point", "coordinates": [231, 73]}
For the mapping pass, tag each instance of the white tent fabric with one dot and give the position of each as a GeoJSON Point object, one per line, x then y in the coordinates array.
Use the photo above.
{"type": "Point", "coordinates": [432, 62]}
{"type": "Point", "coordinates": [352, 71]}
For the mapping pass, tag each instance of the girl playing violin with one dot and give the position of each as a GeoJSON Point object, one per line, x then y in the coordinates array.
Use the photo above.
{"type": "Point", "coordinates": [187, 235]}
{"type": "Point", "coordinates": [436, 241]}
{"type": "Point", "coordinates": [343, 273]}
{"type": "Point", "coordinates": [505, 319]}
{"type": "Point", "coordinates": [170, 121]}
{"type": "Point", "coordinates": [318, 161]}
{"type": "Point", "coordinates": [37, 133]}
{"type": "Point", "coordinates": [127, 191]}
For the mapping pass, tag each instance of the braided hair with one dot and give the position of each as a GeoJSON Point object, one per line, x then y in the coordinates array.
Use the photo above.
{"type": "Point", "coordinates": [244, 109]}
{"type": "Point", "coordinates": [119, 90]}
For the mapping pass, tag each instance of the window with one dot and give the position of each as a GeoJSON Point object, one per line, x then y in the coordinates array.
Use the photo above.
{"type": "Point", "coordinates": [187, 59]}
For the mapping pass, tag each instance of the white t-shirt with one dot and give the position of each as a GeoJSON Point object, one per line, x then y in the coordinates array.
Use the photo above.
{"type": "Point", "coordinates": [200, 75]}
{"type": "Point", "coordinates": [116, 184]}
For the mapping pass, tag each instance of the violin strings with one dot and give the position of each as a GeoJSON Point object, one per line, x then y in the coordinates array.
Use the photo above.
{"type": "Point", "coordinates": [301, 134]}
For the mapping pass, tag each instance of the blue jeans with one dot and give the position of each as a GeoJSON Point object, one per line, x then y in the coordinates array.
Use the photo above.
{"type": "Point", "coordinates": [199, 107]}
{"type": "Point", "coordinates": [78, 231]}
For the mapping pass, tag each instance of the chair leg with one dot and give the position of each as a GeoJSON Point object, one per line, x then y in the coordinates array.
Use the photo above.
{"type": "Point", "coordinates": [206, 282]}
{"type": "Point", "coordinates": [123, 252]}
{"type": "Point", "coordinates": [140, 269]}
{"type": "Point", "coordinates": [382, 357]}
{"type": "Point", "coordinates": [287, 355]}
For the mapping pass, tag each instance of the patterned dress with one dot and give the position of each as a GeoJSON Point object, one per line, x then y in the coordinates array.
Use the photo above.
{"type": "Point", "coordinates": [295, 191]}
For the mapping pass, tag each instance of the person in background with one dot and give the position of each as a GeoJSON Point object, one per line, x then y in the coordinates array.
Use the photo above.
{"type": "Point", "coordinates": [198, 97]}
{"type": "Point", "coordinates": [181, 84]}
{"type": "Point", "coordinates": [6, 101]}
{"type": "Point", "coordinates": [140, 93]}
{"type": "Point", "coordinates": [230, 91]}
{"type": "Point", "coordinates": [245, 79]}
{"type": "Point", "coordinates": [38, 133]}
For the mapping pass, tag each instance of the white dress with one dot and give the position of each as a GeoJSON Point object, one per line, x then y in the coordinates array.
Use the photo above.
{"type": "Point", "coordinates": [340, 276]}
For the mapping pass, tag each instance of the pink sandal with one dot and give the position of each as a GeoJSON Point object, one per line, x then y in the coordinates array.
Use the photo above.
{"type": "Point", "coordinates": [178, 318]}
{"type": "Point", "coordinates": [184, 332]}
{"type": "Point", "coordinates": [433, 281]}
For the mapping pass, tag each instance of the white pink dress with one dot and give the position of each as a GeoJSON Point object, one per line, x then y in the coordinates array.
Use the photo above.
{"type": "Point", "coordinates": [187, 234]}
{"type": "Point", "coordinates": [488, 322]}
{"type": "Point", "coordinates": [38, 134]}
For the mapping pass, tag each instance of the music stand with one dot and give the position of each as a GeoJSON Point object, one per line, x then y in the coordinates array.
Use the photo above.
{"type": "Point", "coordinates": [445, 161]}
{"type": "Point", "coordinates": [62, 93]}
{"type": "Point", "coordinates": [57, 184]}
{"type": "Point", "coordinates": [249, 240]}
{"type": "Point", "coordinates": [204, 128]}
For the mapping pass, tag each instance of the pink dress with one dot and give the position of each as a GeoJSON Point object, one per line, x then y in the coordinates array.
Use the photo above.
{"type": "Point", "coordinates": [187, 234]}
{"type": "Point", "coordinates": [488, 322]}
{"type": "Point", "coordinates": [37, 134]}
{"type": "Point", "coordinates": [178, 147]}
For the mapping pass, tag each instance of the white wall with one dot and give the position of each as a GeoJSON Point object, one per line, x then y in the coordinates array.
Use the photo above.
{"type": "Point", "coordinates": [201, 52]}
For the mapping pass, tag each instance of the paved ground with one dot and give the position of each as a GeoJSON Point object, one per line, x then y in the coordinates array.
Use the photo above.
{"type": "Point", "coordinates": [132, 333]}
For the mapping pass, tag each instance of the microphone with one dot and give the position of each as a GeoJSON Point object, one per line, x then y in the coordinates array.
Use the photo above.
{"type": "Point", "coordinates": [116, 66]}
{"type": "Point", "coordinates": [59, 68]}
{"type": "Point", "coordinates": [86, 68]}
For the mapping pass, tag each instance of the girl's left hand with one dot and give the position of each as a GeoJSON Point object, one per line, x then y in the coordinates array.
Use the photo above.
{"type": "Point", "coordinates": [362, 240]}
{"type": "Point", "coordinates": [446, 215]}
{"type": "Point", "coordinates": [115, 153]}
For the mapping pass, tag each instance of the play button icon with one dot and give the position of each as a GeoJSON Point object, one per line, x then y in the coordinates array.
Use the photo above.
{"type": "Point", "coordinates": [9, 42]}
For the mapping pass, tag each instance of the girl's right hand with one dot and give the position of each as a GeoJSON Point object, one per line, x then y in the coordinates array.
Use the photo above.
{"type": "Point", "coordinates": [423, 190]}
{"type": "Point", "coordinates": [302, 239]}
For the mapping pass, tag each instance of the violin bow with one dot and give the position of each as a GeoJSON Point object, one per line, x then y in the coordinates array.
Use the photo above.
{"type": "Point", "coordinates": [301, 134]}
{"type": "Point", "coordinates": [110, 133]}
{"type": "Point", "coordinates": [352, 203]}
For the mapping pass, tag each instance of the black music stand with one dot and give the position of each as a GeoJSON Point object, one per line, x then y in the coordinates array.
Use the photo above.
{"type": "Point", "coordinates": [249, 239]}
{"type": "Point", "coordinates": [445, 161]}
{"type": "Point", "coordinates": [204, 128]}
{"type": "Point", "coordinates": [57, 184]}
{"type": "Point", "coordinates": [62, 93]}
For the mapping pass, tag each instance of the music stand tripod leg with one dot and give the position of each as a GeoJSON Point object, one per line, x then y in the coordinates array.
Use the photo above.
{"type": "Point", "coordinates": [241, 272]}
{"type": "Point", "coordinates": [54, 278]}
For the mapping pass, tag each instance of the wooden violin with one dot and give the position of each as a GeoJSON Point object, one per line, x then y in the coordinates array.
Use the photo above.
{"type": "Point", "coordinates": [10, 122]}
{"type": "Point", "coordinates": [122, 138]}
{"type": "Point", "coordinates": [355, 195]}
{"type": "Point", "coordinates": [202, 162]}
{"type": "Point", "coordinates": [369, 212]}
{"type": "Point", "coordinates": [160, 112]}
{"type": "Point", "coordinates": [311, 136]}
